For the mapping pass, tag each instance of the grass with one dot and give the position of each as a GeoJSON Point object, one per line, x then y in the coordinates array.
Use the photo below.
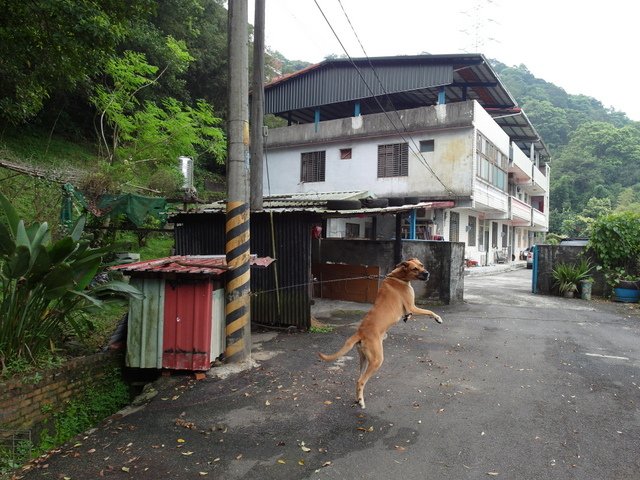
{"type": "Point", "coordinates": [36, 148]}
{"type": "Point", "coordinates": [319, 329]}
{"type": "Point", "coordinates": [76, 416]}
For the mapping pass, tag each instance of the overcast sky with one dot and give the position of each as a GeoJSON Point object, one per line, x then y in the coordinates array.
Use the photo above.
{"type": "Point", "coordinates": [583, 47]}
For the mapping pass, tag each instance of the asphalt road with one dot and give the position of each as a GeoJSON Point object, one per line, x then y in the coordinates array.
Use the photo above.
{"type": "Point", "coordinates": [512, 386]}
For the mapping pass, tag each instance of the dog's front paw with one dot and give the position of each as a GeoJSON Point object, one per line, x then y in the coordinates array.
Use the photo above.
{"type": "Point", "coordinates": [437, 318]}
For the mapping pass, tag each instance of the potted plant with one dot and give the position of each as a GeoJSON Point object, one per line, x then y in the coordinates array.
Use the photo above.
{"type": "Point", "coordinates": [568, 276]}
{"type": "Point", "coordinates": [615, 239]}
{"type": "Point", "coordinates": [624, 284]}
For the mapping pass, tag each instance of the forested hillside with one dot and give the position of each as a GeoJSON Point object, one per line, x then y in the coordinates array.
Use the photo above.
{"type": "Point", "coordinates": [595, 165]}
{"type": "Point", "coordinates": [136, 84]}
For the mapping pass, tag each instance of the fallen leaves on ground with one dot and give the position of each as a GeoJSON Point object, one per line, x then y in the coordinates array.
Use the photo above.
{"type": "Point", "coordinates": [180, 422]}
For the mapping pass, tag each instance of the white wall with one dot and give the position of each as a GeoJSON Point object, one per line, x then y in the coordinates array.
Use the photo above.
{"type": "Point", "coordinates": [452, 162]}
{"type": "Point", "coordinates": [490, 129]}
{"type": "Point", "coordinates": [337, 227]}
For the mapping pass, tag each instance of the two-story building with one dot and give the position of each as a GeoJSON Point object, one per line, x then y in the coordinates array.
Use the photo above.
{"type": "Point", "coordinates": [416, 128]}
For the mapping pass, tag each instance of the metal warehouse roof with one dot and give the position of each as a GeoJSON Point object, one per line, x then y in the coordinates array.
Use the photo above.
{"type": "Point", "coordinates": [184, 265]}
{"type": "Point", "coordinates": [397, 83]}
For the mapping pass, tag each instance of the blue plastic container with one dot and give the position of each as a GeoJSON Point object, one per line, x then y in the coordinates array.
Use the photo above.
{"type": "Point", "coordinates": [626, 295]}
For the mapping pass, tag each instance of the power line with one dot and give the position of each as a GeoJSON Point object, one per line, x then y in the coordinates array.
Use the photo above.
{"type": "Point", "coordinates": [417, 148]}
{"type": "Point", "coordinates": [417, 151]}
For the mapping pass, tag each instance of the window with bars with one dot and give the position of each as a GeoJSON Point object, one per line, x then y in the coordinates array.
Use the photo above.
{"type": "Point", "coordinates": [393, 160]}
{"type": "Point", "coordinates": [345, 154]}
{"type": "Point", "coordinates": [312, 166]}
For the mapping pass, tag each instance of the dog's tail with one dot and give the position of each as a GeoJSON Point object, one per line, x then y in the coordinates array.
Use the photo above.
{"type": "Point", "coordinates": [348, 345]}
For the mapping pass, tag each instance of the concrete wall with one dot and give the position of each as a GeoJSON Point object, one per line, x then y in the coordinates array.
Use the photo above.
{"type": "Point", "coordinates": [444, 260]}
{"type": "Point", "coordinates": [551, 255]}
{"type": "Point", "coordinates": [449, 126]}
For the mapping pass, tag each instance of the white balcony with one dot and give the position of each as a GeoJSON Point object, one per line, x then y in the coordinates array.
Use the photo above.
{"type": "Point", "coordinates": [540, 221]}
{"type": "Point", "coordinates": [520, 166]}
{"type": "Point", "coordinates": [491, 200]}
{"type": "Point", "coordinates": [520, 212]}
{"type": "Point", "coordinates": [540, 182]}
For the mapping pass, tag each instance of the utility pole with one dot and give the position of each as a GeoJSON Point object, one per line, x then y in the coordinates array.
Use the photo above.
{"type": "Point", "coordinates": [237, 250]}
{"type": "Point", "coordinates": [257, 107]}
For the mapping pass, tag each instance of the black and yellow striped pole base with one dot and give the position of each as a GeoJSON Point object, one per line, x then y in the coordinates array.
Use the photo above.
{"type": "Point", "coordinates": [238, 289]}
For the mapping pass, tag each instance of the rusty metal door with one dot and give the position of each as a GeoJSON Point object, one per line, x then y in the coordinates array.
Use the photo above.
{"type": "Point", "coordinates": [187, 326]}
{"type": "Point", "coordinates": [355, 283]}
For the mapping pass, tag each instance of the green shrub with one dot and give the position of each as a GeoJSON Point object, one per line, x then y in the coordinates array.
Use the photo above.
{"type": "Point", "coordinates": [567, 275]}
{"type": "Point", "coordinates": [615, 239]}
{"type": "Point", "coordinates": [45, 286]}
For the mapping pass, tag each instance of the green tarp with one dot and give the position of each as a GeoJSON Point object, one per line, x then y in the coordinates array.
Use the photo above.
{"type": "Point", "coordinates": [135, 207]}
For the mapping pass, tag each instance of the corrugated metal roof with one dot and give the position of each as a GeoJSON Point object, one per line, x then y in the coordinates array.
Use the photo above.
{"type": "Point", "coordinates": [396, 83]}
{"type": "Point", "coordinates": [203, 265]}
{"type": "Point", "coordinates": [320, 207]}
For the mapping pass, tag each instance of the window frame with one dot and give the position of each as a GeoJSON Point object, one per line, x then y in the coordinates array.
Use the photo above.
{"type": "Point", "coordinates": [472, 222]}
{"type": "Point", "coordinates": [393, 160]}
{"type": "Point", "coordinates": [313, 166]}
{"type": "Point", "coordinates": [427, 146]}
{"type": "Point", "coordinates": [491, 163]}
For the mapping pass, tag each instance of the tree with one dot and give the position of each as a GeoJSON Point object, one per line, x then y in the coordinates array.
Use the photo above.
{"type": "Point", "coordinates": [56, 45]}
{"type": "Point", "coordinates": [554, 126]}
{"type": "Point", "coordinates": [599, 161]}
{"type": "Point", "coordinates": [627, 201]}
{"type": "Point", "coordinates": [140, 136]}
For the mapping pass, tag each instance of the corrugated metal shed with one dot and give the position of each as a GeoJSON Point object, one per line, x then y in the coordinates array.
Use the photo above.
{"type": "Point", "coordinates": [281, 295]}
{"type": "Point", "coordinates": [179, 324]}
{"type": "Point", "coordinates": [396, 83]}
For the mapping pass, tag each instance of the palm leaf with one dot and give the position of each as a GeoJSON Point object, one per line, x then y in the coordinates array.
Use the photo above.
{"type": "Point", "coordinates": [10, 213]}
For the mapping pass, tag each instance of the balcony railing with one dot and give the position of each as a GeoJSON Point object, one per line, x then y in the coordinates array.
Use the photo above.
{"type": "Point", "coordinates": [520, 212]}
{"type": "Point", "coordinates": [539, 219]}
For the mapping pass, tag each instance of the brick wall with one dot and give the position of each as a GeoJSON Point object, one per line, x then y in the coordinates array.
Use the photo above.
{"type": "Point", "coordinates": [27, 401]}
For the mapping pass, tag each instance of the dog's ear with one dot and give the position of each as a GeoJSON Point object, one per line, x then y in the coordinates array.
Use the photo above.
{"type": "Point", "coordinates": [402, 264]}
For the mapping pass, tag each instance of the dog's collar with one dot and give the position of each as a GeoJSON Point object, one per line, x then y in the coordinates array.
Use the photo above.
{"type": "Point", "coordinates": [398, 279]}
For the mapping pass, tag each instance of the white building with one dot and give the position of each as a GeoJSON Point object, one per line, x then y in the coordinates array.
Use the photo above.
{"type": "Point", "coordinates": [460, 139]}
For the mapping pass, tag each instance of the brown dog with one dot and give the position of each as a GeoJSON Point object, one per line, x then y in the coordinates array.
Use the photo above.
{"type": "Point", "coordinates": [395, 300]}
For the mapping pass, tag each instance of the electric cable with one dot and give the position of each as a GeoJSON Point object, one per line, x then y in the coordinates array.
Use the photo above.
{"type": "Point", "coordinates": [421, 159]}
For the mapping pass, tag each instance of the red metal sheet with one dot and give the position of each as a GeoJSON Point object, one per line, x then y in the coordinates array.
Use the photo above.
{"type": "Point", "coordinates": [187, 326]}
{"type": "Point", "coordinates": [210, 265]}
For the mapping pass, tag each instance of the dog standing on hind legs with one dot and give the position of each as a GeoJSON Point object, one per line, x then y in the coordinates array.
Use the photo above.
{"type": "Point", "coordinates": [395, 300]}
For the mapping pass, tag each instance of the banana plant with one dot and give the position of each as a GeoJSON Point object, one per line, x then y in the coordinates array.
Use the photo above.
{"type": "Point", "coordinates": [45, 285]}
